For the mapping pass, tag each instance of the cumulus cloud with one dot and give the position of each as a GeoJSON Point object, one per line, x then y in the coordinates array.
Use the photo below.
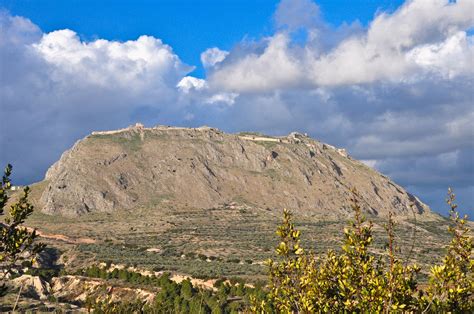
{"type": "Point", "coordinates": [449, 58]}
{"type": "Point", "coordinates": [189, 83]}
{"type": "Point", "coordinates": [213, 56]}
{"type": "Point", "coordinates": [276, 66]}
{"type": "Point", "coordinates": [421, 36]}
{"type": "Point", "coordinates": [196, 89]}
{"type": "Point", "coordinates": [136, 64]}
{"type": "Point", "coordinates": [386, 51]}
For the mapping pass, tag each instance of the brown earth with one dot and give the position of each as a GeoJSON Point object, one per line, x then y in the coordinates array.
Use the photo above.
{"type": "Point", "coordinates": [62, 237]}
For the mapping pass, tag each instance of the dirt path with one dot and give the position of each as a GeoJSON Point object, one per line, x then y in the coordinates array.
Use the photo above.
{"type": "Point", "coordinates": [63, 238]}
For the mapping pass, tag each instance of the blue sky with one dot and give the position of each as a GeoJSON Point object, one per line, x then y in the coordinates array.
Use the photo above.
{"type": "Point", "coordinates": [390, 81]}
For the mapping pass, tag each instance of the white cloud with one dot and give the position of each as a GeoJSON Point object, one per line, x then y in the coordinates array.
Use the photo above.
{"type": "Point", "coordinates": [213, 56]}
{"type": "Point", "coordinates": [135, 64]}
{"type": "Point", "coordinates": [275, 67]}
{"type": "Point", "coordinates": [17, 30]}
{"type": "Point", "coordinates": [189, 83]}
{"type": "Point", "coordinates": [201, 90]}
{"type": "Point", "coordinates": [450, 58]}
{"type": "Point", "coordinates": [223, 98]}
{"type": "Point", "coordinates": [420, 22]}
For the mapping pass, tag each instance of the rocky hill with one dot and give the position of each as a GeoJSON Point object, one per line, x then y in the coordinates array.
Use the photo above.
{"type": "Point", "coordinates": [206, 168]}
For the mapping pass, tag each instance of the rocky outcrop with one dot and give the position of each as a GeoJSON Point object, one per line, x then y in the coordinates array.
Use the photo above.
{"type": "Point", "coordinates": [204, 168]}
{"type": "Point", "coordinates": [78, 289]}
{"type": "Point", "coordinates": [32, 286]}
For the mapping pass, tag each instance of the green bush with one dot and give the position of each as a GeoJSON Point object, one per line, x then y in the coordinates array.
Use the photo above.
{"type": "Point", "coordinates": [18, 247]}
{"type": "Point", "coordinates": [356, 280]}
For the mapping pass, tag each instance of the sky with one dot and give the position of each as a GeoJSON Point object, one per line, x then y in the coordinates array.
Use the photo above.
{"type": "Point", "coordinates": [390, 81]}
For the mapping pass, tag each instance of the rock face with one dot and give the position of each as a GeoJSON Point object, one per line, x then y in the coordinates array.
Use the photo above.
{"type": "Point", "coordinates": [78, 289]}
{"type": "Point", "coordinates": [33, 286]}
{"type": "Point", "coordinates": [205, 168]}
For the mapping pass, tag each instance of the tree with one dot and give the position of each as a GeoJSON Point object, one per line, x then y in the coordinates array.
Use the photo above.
{"type": "Point", "coordinates": [287, 277]}
{"type": "Point", "coordinates": [451, 285]}
{"type": "Point", "coordinates": [187, 289]}
{"type": "Point", "coordinates": [18, 247]}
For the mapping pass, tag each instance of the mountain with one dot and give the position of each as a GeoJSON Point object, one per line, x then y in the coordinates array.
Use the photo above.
{"type": "Point", "coordinates": [200, 202]}
{"type": "Point", "coordinates": [140, 167]}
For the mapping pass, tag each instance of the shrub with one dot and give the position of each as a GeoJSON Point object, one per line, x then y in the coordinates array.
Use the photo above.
{"type": "Point", "coordinates": [17, 244]}
{"type": "Point", "coordinates": [451, 284]}
{"type": "Point", "coordinates": [357, 280]}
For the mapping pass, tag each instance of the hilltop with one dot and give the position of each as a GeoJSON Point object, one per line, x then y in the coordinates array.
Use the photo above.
{"type": "Point", "coordinates": [207, 168]}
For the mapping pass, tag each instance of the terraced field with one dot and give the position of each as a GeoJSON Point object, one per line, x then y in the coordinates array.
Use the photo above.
{"type": "Point", "coordinates": [231, 241]}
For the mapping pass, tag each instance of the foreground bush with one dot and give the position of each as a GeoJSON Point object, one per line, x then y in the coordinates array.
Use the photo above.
{"type": "Point", "coordinates": [17, 245]}
{"type": "Point", "coordinates": [357, 280]}
{"type": "Point", "coordinates": [452, 283]}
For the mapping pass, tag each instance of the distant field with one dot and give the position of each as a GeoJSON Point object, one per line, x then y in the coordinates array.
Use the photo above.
{"type": "Point", "coordinates": [231, 241]}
